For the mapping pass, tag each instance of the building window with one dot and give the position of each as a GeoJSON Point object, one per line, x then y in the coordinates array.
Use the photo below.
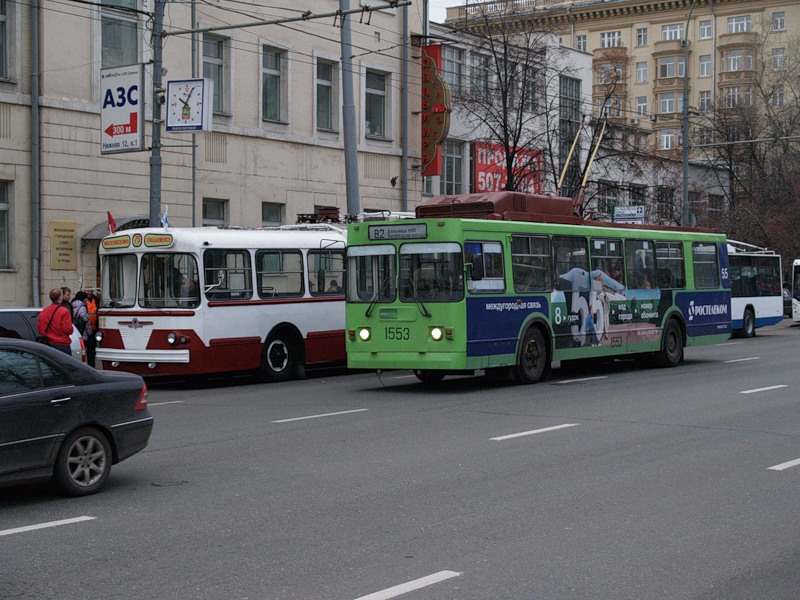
{"type": "Point", "coordinates": [778, 95]}
{"type": "Point", "coordinates": [214, 68]}
{"type": "Point", "coordinates": [606, 196]}
{"type": "Point", "coordinates": [453, 68]}
{"type": "Point", "coordinates": [641, 105]}
{"type": "Point", "coordinates": [739, 24]}
{"type": "Point", "coordinates": [668, 102]}
{"type": "Point", "coordinates": [452, 179]}
{"type": "Point", "coordinates": [326, 95]}
{"type": "Point", "coordinates": [666, 139]}
{"type": "Point", "coordinates": [608, 73]}
{"type": "Point", "coordinates": [739, 60]}
{"type": "Point", "coordinates": [641, 36]}
{"type": "Point", "coordinates": [530, 89]}
{"type": "Point", "coordinates": [580, 42]}
{"type": "Point", "coordinates": [611, 39]}
{"type": "Point", "coordinates": [5, 209]}
{"type": "Point", "coordinates": [716, 202]}
{"type": "Point", "coordinates": [704, 101]}
{"type": "Point", "coordinates": [272, 84]}
{"type": "Point", "coordinates": [480, 76]}
{"type": "Point", "coordinates": [778, 21]}
{"type": "Point", "coordinates": [215, 212]}
{"type": "Point", "coordinates": [637, 195]}
{"type": "Point", "coordinates": [119, 33]}
{"type": "Point", "coordinates": [4, 51]}
{"type": "Point", "coordinates": [705, 65]}
{"type": "Point", "coordinates": [736, 96]}
{"type": "Point", "coordinates": [664, 196]}
{"type": "Point", "coordinates": [375, 105]}
{"type": "Point", "coordinates": [705, 30]}
{"type": "Point", "coordinates": [704, 135]}
{"type": "Point", "coordinates": [271, 214]}
{"type": "Point", "coordinates": [569, 122]}
{"type": "Point", "coordinates": [672, 32]}
{"type": "Point", "coordinates": [778, 58]}
{"type": "Point", "coordinates": [666, 67]}
{"type": "Point", "coordinates": [641, 72]}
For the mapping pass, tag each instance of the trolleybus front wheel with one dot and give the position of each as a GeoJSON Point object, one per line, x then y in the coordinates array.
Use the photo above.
{"type": "Point", "coordinates": [279, 358]}
{"type": "Point", "coordinates": [533, 357]}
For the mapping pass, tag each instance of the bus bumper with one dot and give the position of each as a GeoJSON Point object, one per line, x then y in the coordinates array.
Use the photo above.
{"type": "Point", "coordinates": [406, 360]}
{"type": "Point", "coordinates": [143, 356]}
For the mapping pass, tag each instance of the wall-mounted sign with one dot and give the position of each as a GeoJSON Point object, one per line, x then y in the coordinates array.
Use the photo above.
{"type": "Point", "coordinates": [491, 171]}
{"type": "Point", "coordinates": [629, 214]}
{"type": "Point", "coordinates": [189, 105]}
{"type": "Point", "coordinates": [63, 245]}
{"type": "Point", "coordinates": [435, 111]}
{"type": "Point", "coordinates": [122, 109]}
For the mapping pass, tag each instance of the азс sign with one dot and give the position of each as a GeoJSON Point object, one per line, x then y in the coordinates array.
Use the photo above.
{"type": "Point", "coordinates": [122, 109]}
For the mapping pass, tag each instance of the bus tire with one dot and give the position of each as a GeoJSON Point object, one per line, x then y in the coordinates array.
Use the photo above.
{"type": "Point", "coordinates": [533, 357]}
{"type": "Point", "coordinates": [671, 353]}
{"type": "Point", "coordinates": [279, 358]}
{"type": "Point", "coordinates": [427, 376]}
{"type": "Point", "coordinates": [748, 323]}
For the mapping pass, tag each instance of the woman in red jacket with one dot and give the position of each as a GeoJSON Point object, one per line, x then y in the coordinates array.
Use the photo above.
{"type": "Point", "coordinates": [55, 323]}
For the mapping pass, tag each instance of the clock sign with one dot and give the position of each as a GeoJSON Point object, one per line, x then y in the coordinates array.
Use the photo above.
{"type": "Point", "coordinates": [188, 105]}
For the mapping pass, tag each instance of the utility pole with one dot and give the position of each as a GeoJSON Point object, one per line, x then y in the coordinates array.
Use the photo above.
{"type": "Point", "coordinates": [349, 114]}
{"type": "Point", "coordinates": [158, 96]}
{"type": "Point", "coordinates": [685, 125]}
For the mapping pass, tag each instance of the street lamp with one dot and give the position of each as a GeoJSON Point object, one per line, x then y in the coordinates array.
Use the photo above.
{"type": "Point", "coordinates": [685, 127]}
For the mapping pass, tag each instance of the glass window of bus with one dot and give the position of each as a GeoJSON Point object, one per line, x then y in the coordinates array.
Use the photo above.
{"type": "Point", "coordinates": [671, 272]}
{"type": "Point", "coordinates": [431, 272]}
{"type": "Point", "coordinates": [168, 281]}
{"type": "Point", "coordinates": [607, 259]}
{"type": "Point", "coordinates": [571, 263]}
{"type": "Point", "coordinates": [706, 265]}
{"type": "Point", "coordinates": [228, 275]}
{"type": "Point", "coordinates": [485, 267]}
{"type": "Point", "coordinates": [119, 280]}
{"type": "Point", "coordinates": [639, 264]}
{"type": "Point", "coordinates": [279, 273]}
{"type": "Point", "coordinates": [530, 263]}
{"type": "Point", "coordinates": [371, 273]}
{"type": "Point", "coordinates": [326, 272]}
{"type": "Point", "coordinates": [742, 275]}
{"type": "Point", "coordinates": [768, 275]}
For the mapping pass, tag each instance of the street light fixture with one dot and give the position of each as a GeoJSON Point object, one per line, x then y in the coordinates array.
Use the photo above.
{"type": "Point", "coordinates": [685, 126]}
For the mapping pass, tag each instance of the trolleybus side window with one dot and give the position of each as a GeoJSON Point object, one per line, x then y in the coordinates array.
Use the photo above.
{"type": "Point", "coordinates": [571, 263]}
{"type": "Point", "coordinates": [754, 276]}
{"type": "Point", "coordinates": [706, 265]}
{"type": "Point", "coordinates": [639, 264]}
{"type": "Point", "coordinates": [671, 273]}
{"type": "Point", "coordinates": [484, 267]}
{"type": "Point", "coordinates": [279, 273]}
{"type": "Point", "coordinates": [372, 273]}
{"type": "Point", "coordinates": [530, 263]}
{"type": "Point", "coordinates": [326, 272]}
{"type": "Point", "coordinates": [228, 275]}
{"type": "Point", "coordinates": [119, 280]}
{"type": "Point", "coordinates": [607, 262]}
{"type": "Point", "coordinates": [168, 281]}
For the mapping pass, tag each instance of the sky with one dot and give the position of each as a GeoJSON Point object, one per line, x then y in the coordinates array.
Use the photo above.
{"type": "Point", "coordinates": [437, 8]}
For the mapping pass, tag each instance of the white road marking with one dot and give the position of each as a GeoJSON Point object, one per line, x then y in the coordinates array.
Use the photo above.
{"type": "Point", "coordinates": [534, 432]}
{"type": "Point", "coordinates": [565, 382]}
{"type": "Point", "coordinates": [786, 465]}
{"type": "Point", "coordinates": [764, 389]}
{"type": "Point", "coordinates": [735, 360]}
{"type": "Point", "coordinates": [344, 412]}
{"type": "Point", "coordinates": [404, 588]}
{"type": "Point", "coordinates": [729, 344]}
{"type": "Point", "coordinates": [163, 403]}
{"type": "Point", "coordinates": [45, 525]}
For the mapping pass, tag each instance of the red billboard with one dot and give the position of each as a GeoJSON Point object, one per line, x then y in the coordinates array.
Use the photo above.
{"type": "Point", "coordinates": [491, 173]}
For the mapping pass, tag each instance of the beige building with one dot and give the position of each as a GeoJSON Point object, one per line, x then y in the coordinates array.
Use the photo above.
{"type": "Point", "coordinates": [276, 148]}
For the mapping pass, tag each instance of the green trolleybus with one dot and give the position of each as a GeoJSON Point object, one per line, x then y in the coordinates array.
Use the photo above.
{"type": "Point", "coordinates": [509, 283]}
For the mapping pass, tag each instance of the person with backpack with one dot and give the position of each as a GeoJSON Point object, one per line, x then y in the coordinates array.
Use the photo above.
{"type": "Point", "coordinates": [80, 316]}
{"type": "Point", "coordinates": [55, 323]}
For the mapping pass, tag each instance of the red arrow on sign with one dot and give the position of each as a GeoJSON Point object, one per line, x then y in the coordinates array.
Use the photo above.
{"type": "Point", "coordinates": [132, 126]}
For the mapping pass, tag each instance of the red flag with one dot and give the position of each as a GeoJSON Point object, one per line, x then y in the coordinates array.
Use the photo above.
{"type": "Point", "coordinates": [112, 224]}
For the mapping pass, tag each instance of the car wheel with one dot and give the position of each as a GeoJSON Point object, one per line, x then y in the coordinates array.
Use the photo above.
{"type": "Point", "coordinates": [83, 463]}
{"type": "Point", "coordinates": [671, 345]}
{"type": "Point", "coordinates": [533, 357]}
{"type": "Point", "coordinates": [426, 376]}
{"type": "Point", "coordinates": [748, 324]}
{"type": "Point", "coordinates": [278, 359]}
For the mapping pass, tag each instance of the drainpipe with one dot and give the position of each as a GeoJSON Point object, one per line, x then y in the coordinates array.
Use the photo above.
{"type": "Point", "coordinates": [35, 158]}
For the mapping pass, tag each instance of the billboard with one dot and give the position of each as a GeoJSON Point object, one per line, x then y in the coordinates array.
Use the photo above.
{"type": "Point", "coordinates": [122, 109]}
{"type": "Point", "coordinates": [491, 173]}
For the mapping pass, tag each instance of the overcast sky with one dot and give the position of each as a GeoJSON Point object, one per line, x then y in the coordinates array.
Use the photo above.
{"type": "Point", "coordinates": [437, 8]}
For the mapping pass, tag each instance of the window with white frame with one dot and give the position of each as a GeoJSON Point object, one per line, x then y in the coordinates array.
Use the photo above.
{"type": "Point", "coordinates": [705, 30]}
{"type": "Point", "coordinates": [666, 139]}
{"type": "Point", "coordinates": [610, 39]}
{"type": "Point", "coordinates": [668, 102]}
{"type": "Point", "coordinates": [607, 192]}
{"type": "Point", "coordinates": [778, 58]}
{"type": "Point", "coordinates": [580, 43]}
{"type": "Point", "coordinates": [641, 72]}
{"type": "Point", "coordinates": [4, 39]}
{"type": "Point", "coordinates": [641, 36]}
{"type": "Point", "coordinates": [271, 214]}
{"type": "Point", "coordinates": [641, 105]}
{"type": "Point", "coordinates": [273, 84]}
{"type": "Point", "coordinates": [327, 94]}
{"type": "Point", "coordinates": [452, 178]}
{"type": "Point", "coordinates": [778, 21]}
{"type": "Point", "coordinates": [671, 32]}
{"type": "Point", "coordinates": [214, 62]}
{"type": "Point", "coordinates": [736, 96]}
{"type": "Point", "coordinates": [215, 212]}
{"type": "Point", "coordinates": [119, 32]}
{"type": "Point", "coordinates": [453, 68]}
{"type": "Point", "coordinates": [375, 106]}
{"type": "Point", "coordinates": [739, 60]}
{"type": "Point", "coordinates": [609, 73]}
{"type": "Point", "coordinates": [705, 65]}
{"type": "Point", "coordinates": [778, 95]}
{"type": "Point", "coordinates": [530, 87]}
{"type": "Point", "coordinates": [704, 101]}
{"type": "Point", "coordinates": [480, 76]}
{"type": "Point", "coordinates": [5, 224]}
{"type": "Point", "coordinates": [739, 24]}
{"type": "Point", "coordinates": [704, 135]}
{"type": "Point", "coordinates": [666, 67]}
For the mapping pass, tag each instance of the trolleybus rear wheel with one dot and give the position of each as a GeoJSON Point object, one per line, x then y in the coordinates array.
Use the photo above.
{"type": "Point", "coordinates": [533, 357]}
{"type": "Point", "coordinates": [278, 359]}
{"type": "Point", "coordinates": [671, 345]}
{"type": "Point", "coordinates": [426, 376]}
{"type": "Point", "coordinates": [748, 324]}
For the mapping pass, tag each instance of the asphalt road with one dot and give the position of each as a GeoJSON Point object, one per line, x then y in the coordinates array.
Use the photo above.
{"type": "Point", "coordinates": [609, 481]}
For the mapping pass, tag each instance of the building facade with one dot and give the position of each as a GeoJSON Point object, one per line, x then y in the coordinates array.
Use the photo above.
{"type": "Point", "coordinates": [277, 144]}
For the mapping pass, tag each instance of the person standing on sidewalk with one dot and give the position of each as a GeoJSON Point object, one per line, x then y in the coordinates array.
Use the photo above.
{"type": "Point", "coordinates": [55, 323]}
{"type": "Point", "coordinates": [92, 301]}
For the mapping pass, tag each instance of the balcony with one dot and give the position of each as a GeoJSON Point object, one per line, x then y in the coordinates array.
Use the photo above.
{"type": "Point", "coordinates": [601, 90]}
{"type": "Point", "coordinates": [499, 8]}
{"type": "Point", "coordinates": [613, 54]}
{"type": "Point", "coordinates": [736, 77]}
{"type": "Point", "coordinates": [667, 48]}
{"type": "Point", "coordinates": [668, 84]}
{"type": "Point", "coordinates": [745, 39]}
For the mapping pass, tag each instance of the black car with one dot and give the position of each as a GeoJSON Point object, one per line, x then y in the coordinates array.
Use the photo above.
{"type": "Point", "coordinates": [65, 421]}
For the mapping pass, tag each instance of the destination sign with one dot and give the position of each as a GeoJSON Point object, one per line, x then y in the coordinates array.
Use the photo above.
{"type": "Point", "coordinates": [411, 231]}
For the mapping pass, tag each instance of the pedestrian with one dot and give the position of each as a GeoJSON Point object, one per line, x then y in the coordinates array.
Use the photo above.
{"type": "Point", "coordinates": [66, 299]}
{"type": "Point", "coordinates": [92, 302]}
{"type": "Point", "coordinates": [55, 323]}
{"type": "Point", "coordinates": [80, 317]}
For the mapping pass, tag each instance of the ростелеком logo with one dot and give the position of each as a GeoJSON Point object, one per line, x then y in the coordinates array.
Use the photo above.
{"type": "Point", "coordinates": [706, 310]}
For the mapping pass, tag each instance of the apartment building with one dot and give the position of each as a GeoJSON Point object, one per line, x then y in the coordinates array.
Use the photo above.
{"type": "Point", "coordinates": [276, 145]}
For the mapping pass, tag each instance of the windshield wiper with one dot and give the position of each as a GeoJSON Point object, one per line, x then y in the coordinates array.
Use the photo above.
{"type": "Point", "coordinates": [377, 295]}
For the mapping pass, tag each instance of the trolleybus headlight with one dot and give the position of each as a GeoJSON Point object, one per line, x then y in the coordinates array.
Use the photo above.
{"type": "Point", "coordinates": [364, 334]}
{"type": "Point", "coordinates": [437, 333]}
{"type": "Point", "coordinates": [172, 338]}
{"type": "Point", "coordinates": [98, 336]}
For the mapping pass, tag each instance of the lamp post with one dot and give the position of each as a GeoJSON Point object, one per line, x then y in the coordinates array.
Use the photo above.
{"type": "Point", "coordinates": [685, 124]}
